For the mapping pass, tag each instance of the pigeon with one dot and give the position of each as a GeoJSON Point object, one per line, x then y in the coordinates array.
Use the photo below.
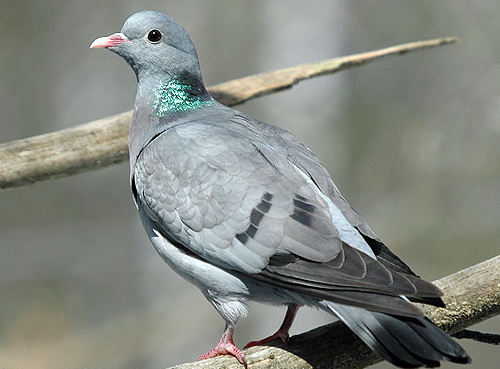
{"type": "Point", "coordinates": [246, 212]}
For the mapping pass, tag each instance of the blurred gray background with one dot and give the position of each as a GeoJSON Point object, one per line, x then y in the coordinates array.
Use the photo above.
{"type": "Point", "coordinates": [413, 143]}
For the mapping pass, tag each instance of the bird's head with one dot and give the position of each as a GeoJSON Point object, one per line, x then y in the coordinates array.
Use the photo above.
{"type": "Point", "coordinates": [153, 43]}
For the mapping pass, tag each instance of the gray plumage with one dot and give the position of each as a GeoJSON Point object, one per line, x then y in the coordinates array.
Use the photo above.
{"type": "Point", "coordinates": [245, 211]}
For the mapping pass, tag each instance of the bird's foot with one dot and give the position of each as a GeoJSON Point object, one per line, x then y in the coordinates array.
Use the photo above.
{"type": "Point", "coordinates": [282, 333]}
{"type": "Point", "coordinates": [279, 335]}
{"type": "Point", "coordinates": [226, 346]}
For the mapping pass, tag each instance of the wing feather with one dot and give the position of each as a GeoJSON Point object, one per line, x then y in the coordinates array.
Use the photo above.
{"type": "Point", "coordinates": [251, 198]}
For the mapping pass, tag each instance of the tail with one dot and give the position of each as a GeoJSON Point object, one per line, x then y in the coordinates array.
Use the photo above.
{"type": "Point", "coordinates": [406, 342]}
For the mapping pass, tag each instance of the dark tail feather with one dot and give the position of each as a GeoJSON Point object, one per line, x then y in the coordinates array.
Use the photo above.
{"type": "Point", "coordinates": [404, 342]}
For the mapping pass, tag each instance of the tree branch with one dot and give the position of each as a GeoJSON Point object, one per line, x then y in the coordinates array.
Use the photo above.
{"type": "Point", "coordinates": [103, 142]}
{"type": "Point", "coordinates": [471, 295]}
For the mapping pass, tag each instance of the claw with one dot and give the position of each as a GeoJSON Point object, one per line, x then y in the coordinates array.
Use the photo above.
{"type": "Point", "coordinates": [279, 335]}
{"type": "Point", "coordinates": [282, 333]}
{"type": "Point", "coordinates": [226, 346]}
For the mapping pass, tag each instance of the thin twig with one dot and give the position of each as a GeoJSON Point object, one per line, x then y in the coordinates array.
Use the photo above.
{"type": "Point", "coordinates": [489, 338]}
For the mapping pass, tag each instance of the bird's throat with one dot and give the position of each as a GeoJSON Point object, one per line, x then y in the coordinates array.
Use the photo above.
{"type": "Point", "coordinates": [179, 95]}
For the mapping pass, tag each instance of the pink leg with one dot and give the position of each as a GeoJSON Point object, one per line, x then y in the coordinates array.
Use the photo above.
{"type": "Point", "coordinates": [226, 346]}
{"type": "Point", "coordinates": [282, 332]}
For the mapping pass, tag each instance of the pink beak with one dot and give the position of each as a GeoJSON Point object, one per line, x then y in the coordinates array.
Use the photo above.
{"type": "Point", "coordinates": [109, 41]}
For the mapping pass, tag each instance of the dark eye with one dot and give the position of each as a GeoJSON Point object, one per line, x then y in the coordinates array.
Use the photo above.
{"type": "Point", "coordinates": [154, 36]}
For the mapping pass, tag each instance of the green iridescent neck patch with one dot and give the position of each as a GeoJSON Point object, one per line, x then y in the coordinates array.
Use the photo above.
{"type": "Point", "coordinates": [177, 96]}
